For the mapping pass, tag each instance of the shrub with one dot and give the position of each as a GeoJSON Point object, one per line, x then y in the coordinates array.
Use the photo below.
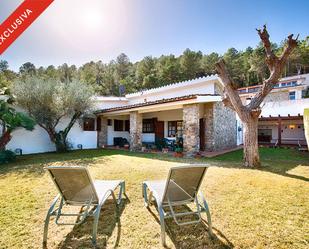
{"type": "Point", "coordinates": [6, 156]}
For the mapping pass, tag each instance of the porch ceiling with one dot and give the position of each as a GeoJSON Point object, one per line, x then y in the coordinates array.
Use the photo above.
{"type": "Point", "coordinates": [161, 105]}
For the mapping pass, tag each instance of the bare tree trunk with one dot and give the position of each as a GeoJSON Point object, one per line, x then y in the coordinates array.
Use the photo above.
{"type": "Point", "coordinates": [251, 146]}
{"type": "Point", "coordinates": [5, 139]}
{"type": "Point", "coordinates": [249, 113]}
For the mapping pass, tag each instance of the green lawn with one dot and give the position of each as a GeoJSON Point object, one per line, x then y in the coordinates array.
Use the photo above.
{"type": "Point", "coordinates": [264, 208]}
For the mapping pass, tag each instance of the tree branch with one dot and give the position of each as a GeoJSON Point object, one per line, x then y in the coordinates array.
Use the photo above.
{"type": "Point", "coordinates": [230, 93]}
{"type": "Point", "coordinates": [291, 44]}
{"type": "Point", "coordinates": [275, 66]}
{"type": "Point", "coordinates": [271, 58]}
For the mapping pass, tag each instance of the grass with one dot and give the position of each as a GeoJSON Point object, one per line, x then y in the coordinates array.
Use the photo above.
{"type": "Point", "coordinates": [264, 208]}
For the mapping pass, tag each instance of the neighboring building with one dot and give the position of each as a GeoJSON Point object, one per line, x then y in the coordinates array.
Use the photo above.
{"type": "Point", "coordinates": [192, 110]}
{"type": "Point", "coordinates": [281, 120]}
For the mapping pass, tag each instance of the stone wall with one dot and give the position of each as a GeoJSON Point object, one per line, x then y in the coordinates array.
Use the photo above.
{"type": "Point", "coordinates": [102, 134]}
{"type": "Point", "coordinates": [191, 132]}
{"type": "Point", "coordinates": [136, 126]}
{"type": "Point", "coordinates": [209, 126]}
{"type": "Point", "coordinates": [220, 127]}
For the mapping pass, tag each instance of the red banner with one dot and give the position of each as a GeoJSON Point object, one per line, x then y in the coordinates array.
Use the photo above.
{"type": "Point", "coordinates": [20, 20]}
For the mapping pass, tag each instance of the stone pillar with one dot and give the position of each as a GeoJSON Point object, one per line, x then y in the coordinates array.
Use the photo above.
{"type": "Point", "coordinates": [220, 131]}
{"type": "Point", "coordinates": [136, 127]}
{"type": "Point", "coordinates": [209, 127]}
{"type": "Point", "coordinates": [191, 130]}
{"type": "Point", "coordinates": [102, 134]}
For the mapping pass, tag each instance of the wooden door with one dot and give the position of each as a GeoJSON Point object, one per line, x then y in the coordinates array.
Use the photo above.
{"type": "Point", "coordinates": [202, 134]}
{"type": "Point", "coordinates": [159, 129]}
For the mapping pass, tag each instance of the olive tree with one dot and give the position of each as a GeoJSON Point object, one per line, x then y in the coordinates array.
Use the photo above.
{"type": "Point", "coordinates": [51, 101]}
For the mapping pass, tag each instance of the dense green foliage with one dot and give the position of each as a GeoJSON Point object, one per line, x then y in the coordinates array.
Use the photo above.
{"type": "Point", "coordinates": [10, 120]}
{"type": "Point", "coordinates": [247, 68]}
{"type": "Point", "coordinates": [6, 156]}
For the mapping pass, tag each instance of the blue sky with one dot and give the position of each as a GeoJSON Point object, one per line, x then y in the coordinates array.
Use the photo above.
{"type": "Point", "coordinates": [78, 31]}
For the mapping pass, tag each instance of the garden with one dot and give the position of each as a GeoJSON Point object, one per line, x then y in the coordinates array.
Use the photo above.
{"type": "Point", "coordinates": [251, 208]}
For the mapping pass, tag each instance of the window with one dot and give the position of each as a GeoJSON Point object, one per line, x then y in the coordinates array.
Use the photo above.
{"type": "Point", "coordinates": [292, 96]}
{"type": "Point", "coordinates": [253, 89]}
{"type": "Point", "coordinates": [127, 125]}
{"type": "Point", "coordinates": [109, 122]}
{"type": "Point", "coordinates": [305, 93]}
{"type": "Point", "coordinates": [175, 129]}
{"type": "Point", "coordinates": [89, 124]}
{"type": "Point", "coordinates": [294, 83]}
{"type": "Point", "coordinates": [118, 125]}
{"type": "Point", "coordinates": [148, 126]}
{"type": "Point", "coordinates": [242, 90]}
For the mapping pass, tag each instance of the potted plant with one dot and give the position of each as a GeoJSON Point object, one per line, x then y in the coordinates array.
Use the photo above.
{"type": "Point", "coordinates": [178, 152]}
{"type": "Point", "coordinates": [154, 148]}
{"type": "Point", "coordinates": [165, 150]}
{"type": "Point", "coordinates": [126, 146]}
{"type": "Point", "coordinates": [198, 155]}
{"type": "Point", "coordinates": [144, 149]}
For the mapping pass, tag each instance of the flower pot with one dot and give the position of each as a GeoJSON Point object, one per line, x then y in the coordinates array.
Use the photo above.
{"type": "Point", "coordinates": [165, 150]}
{"type": "Point", "coordinates": [126, 146]}
{"type": "Point", "coordinates": [178, 154]}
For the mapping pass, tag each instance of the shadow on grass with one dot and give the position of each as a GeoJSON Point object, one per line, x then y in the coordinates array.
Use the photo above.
{"type": "Point", "coordinates": [34, 164]}
{"type": "Point", "coordinates": [80, 236]}
{"type": "Point", "coordinates": [192, 236]}
{"type": "Point", "coordinates": [274, 160]}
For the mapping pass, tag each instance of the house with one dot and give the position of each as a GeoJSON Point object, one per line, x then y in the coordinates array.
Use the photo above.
{"type": "Point", "coordinates": [191, 110]}
{"type": "Point", "coordinates": [281, 120]}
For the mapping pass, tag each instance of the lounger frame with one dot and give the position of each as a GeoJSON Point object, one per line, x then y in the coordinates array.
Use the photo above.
{"type": "Point", "coordinates": [91, 208]}
{"type": "Point", "coordinates": [199, 200]}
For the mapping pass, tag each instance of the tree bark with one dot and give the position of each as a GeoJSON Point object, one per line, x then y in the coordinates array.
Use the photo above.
{"type": "Point", "coordinates": [249, 114]}
{"type": "Point", "coordinates": [251, 147]}
{"type": "Point", "coordinates": [61, 136]}
{"type": "Point", "coordinates": [5, 139]}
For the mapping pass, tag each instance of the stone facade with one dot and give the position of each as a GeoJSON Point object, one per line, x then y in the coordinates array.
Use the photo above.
{"type": "Point", "coordinates": [102, 134]}
{"type": "Point", "coordinates": [191, 132]}
{"type": "Point", "coordinates": [220, 127]}
{"type": "Point", "coordinates": [209, 126]}
{"type": "Point", "coordinates": [136, 127]}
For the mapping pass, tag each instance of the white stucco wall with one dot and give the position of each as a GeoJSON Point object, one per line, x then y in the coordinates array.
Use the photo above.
{"type": "Point", "coordinates": [37, 141]}
{"type": "Point", "coordinates": [204, 87]}
{"type": "Point", "coordinates": [283, 108]}
{"type": "Point", "coordinates": [111, 133]}
{"type": "Point", "coordinates": [109, 102]}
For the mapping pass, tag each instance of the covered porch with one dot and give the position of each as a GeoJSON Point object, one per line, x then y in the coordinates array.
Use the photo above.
{"type": "Point", "coordinates": [282, 131]}
{"type": "Point", "coordinates": [187, 122]}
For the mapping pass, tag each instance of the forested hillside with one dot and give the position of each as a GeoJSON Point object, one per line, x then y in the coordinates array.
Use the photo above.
{"type": "Point", "coordinates": [247, 68]}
